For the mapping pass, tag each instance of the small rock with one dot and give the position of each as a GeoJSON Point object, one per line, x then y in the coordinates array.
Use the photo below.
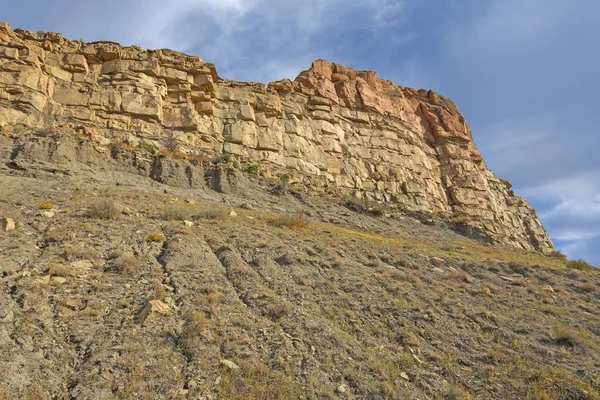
{"type": "Point", "coordinates": [547, 288]}
{"type": "Point", "coordinates": [229, 364]}
{"type": "Point", "coordinates": [404, 376]}
{"type": "Point", "coordinates": [58, 280]}
{"type": "Point", "coordinates": [48, 214]}
{"type": "Point", "coordinates": [233, 214]}
{"type": "Point", "coordinates": [246, 206]}
{"type": "Point", "coordinates": [8, 318]}
{"type": "Point", "coordinates": [189, 224]}
{"type": "Point", "coordinates": [71, 304]}
{"type": "Point", "coordinates": [342, 389]}
{"type": "Point", "coordinates": [438, 260]}
{"type": "Point", "coordinates": [8, 224]}
{"type": "Point", "coordinates": [153, 307]}
{"type": "Point", "coordinates": [83, 265]}
{"type": "Point", "coordinates": [192, 202]}
{"type": "Point", "coordinates": [192, 384]}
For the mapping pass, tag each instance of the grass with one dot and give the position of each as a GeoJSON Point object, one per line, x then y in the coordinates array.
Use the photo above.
{"type": "Point", "coordinates": [580, 265]}
{"type": "Point", "coordinates": [103, 209]}
{"type": "Point", "coordinates": [297, 223]}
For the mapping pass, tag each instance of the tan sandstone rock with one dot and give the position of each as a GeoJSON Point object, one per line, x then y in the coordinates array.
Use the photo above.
{"type": "Point", "coordinates": [332, 125]}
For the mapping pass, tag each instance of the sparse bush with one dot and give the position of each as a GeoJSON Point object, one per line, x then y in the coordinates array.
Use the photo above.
{"type": "Point", "coordinates": [46, 206]}
{"type": "Point", "coordinates": [175, 212]}
{"type": "Point", "coordinates": [279, 311]}
{"type": "Point", "coordinates": [195, 324]}
{"type": "Point", "coordinates": [103, 209]}
{"type": "Point", "coordinates": [127, 264]}
{"type": "Point", "coordinates": [297, 223]}
{"type": "Point", "coordinates": [149, 147]}
{"type": "Point", "coordinates": [580, 265]}
{"type": "Point", "coordinates": [59, 270]}
{"type": "Point", "coordinates": [557, 254]}
{"type": "Point", "coordinates": [569, 337]}
{"type": "Point", "coordinates": [211, 213]}
{"type": "Point", "coordinates": [252, 169]}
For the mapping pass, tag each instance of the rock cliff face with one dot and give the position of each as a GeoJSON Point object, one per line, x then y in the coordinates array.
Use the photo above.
{"type": "Point", "coordinates": [333, 126]}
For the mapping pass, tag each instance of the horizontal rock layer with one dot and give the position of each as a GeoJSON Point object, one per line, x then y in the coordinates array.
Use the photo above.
{"type": "Point", "coordinates": [332, 126]}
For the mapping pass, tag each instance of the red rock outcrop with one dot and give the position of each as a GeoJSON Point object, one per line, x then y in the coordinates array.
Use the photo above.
{"type": "Point", "coordinates": [331, 126]}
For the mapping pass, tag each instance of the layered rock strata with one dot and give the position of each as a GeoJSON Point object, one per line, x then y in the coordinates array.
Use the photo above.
{"type": "Point", "coordinates": [331, 126]}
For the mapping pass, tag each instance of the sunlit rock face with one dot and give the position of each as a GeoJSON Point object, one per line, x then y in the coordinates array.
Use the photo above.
{"type": "Point", "coordinates": [332, 126]}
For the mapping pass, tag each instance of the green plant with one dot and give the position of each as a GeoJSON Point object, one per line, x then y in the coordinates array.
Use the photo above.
{"type": "Point", "coordinates": [580, 265]}
{"type": "Point", "coordinates": [252, 169]}
{"type": "Point", "coordinates": [154, 237]}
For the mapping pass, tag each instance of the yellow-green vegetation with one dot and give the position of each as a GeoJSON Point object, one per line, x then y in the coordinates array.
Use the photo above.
{"type": "Point", "coordinates": [155, 237]}
{"type": "Point", "coordinates": [295, 223]}
{"type": "Point", "coordinates": [46, 206]}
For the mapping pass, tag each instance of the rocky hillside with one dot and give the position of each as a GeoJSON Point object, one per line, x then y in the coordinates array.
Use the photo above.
{"type": "Point", "coordinates": [332, 127]}
{"type": "Point", "coordinates": [166, 234]}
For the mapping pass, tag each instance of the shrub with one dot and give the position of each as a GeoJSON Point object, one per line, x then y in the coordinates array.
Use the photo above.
{"type": "Point", "coordinates": [59, 270]}
{"type": "Point", "coordinates": [279, 311]}
{"type": "Point", "coordinates": [211, 213]}
{"type": "Point", "coordinates": [557, 254]}
{"type": "Point", "coordinates": [580, 265]}
{"type": "Point", "coordinates": [252, 169]}
{"type": "Point", "coordinates": [103, 209]}
{"type": "Point", "coordinates": [46, 206]}
{"type": "Point", "coordinates": [154, 237]}
{"type": "Point", "coordinates": [294, 223]}
{"type": "Point", "coordinates": [569, 337]}
{"type": "Point", "coordinates": [127, 264]}
{"type": "Point", "coordinates": [175, 212]}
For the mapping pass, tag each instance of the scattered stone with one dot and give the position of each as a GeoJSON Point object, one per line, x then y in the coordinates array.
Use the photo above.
{"type": "Point", "coordinates": [246, 206]}
{"type": "Point", "coordinates": [404, 376]}
{"type": "Point", "coordinates": [229, 364]}
{"type": "Point", "coordinates": [438, 260]}
{"type": "Point", "coordinates": [82, 265]}
{"type": "Point", "coordinates": [192, 384]}
{"type": "Point", "coordinates": [187, 223]}
{"type": "Point", "coordinates": [547, 288]}
{"type": "Point", "coordinates": [342, 389]}
{"type": "Point", "coordinates": [8, 318]}
{"type": "Point", "coordinates": [58, 280]}
{"type": "Point", "coordinates": [48, 214]}
{"type": "Point", "coordinates": [153, 307]}
{"type": "Point", "coordinates": [233, 214]}
{"type": "Point", "coordinates": [192, 202]}
{"type": "Point", "coordinates": [7, 224]}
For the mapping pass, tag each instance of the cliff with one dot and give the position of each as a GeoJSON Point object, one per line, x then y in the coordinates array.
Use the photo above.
{"type": "Point", "coordinates": [332, 126]}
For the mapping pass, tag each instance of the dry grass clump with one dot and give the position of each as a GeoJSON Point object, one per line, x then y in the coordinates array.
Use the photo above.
{"type": "Point", "coordinates": [279, 311]}
{"type": "Point", "coordinates": [175, 212]}
{"type": "Point", "coordinates": [59, 270]}
{"type": "Point", "coordinates": [257, 382]}
{"type": "Point", "coordinates": [557, 254]}
{"type": "Point", "coordinates": [194, 326]}
{"type": "Point", "coordinates": [569, 337]}
{"type": "Point", "coordinates": [580, 265]}
{"type": "Point", "coordinates": [127, 264]}
{"type": "Point", "coordinates": [212, 214]}
{"type": "Point", "coordinates": [297, 223]}
{"type": "Point", "coordinates": [46, 206]}
{"type": "Point", "coordinates": [103, 209]}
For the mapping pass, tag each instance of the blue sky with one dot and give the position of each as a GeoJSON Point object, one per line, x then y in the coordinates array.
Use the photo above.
{"type": "Point", "coordinates": [525, 73]}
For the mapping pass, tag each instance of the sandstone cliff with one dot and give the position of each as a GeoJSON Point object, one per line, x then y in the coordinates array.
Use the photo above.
{"type": "Point", "coordinates": [333, 126]}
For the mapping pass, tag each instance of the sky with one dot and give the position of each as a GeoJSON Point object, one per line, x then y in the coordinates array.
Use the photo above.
{"type": "Point", "coordinates": [525, 73]}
